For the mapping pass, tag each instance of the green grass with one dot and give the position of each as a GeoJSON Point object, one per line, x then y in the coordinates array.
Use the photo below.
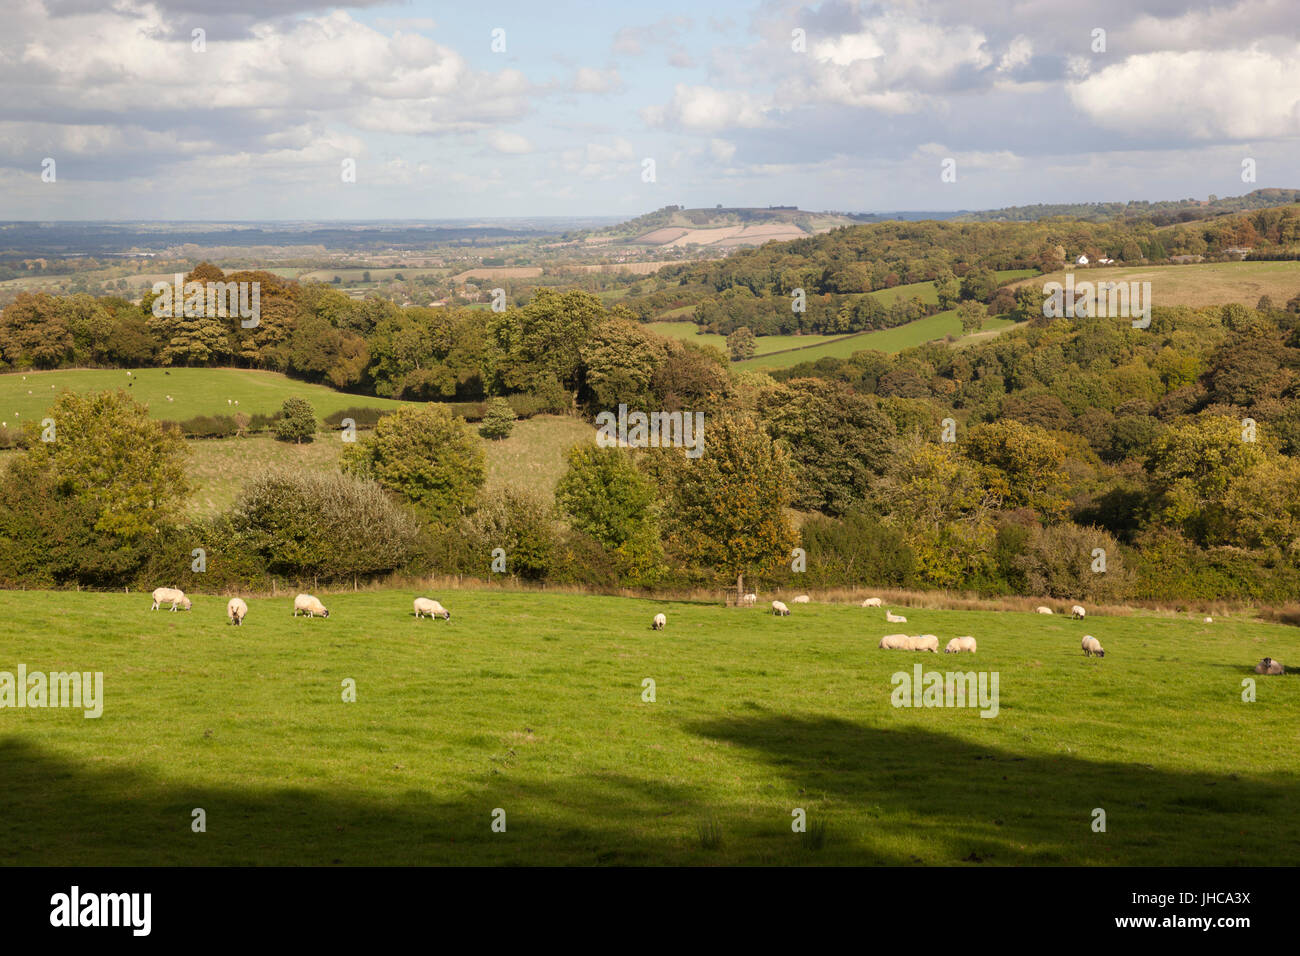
{"type": "Point", "coordinates": [535, 455]}
{"type": "Point", "coordinates": [532, 703]}
{"type": "Point", "coordinates": [764, 344]}
{"type": "Point", "coordinates": [25, 396]}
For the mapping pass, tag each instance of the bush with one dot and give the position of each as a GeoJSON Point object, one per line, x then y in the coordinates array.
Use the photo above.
{"type": "Point", "coordinates": [363, 416]}
{"type": "Point", "coordinates": [297, 421]}
{"type": "Point", "coordinates": [515, 521]}
{"type": "Point", "coordinates": [499, 421]}
{"type": "Point", "coordinates": [855, 550]}
{"type": "Point", "coordinates": [328, 525]}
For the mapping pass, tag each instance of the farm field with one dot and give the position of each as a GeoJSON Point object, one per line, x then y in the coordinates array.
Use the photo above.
{"type": "Point", "coordinates": [1200, 284]}
{"type": "Point", "coordinates": [532, 703]}
{"type": "Point", "coordinates": [924, 330]}
{"type": "Point", "coordinates": [764, 343]}
{"type": "Point", "coordinates": [194, 391]}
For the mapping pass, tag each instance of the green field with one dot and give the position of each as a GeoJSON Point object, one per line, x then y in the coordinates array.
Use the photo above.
{"type": "Point", "coordinates": [25, 396]}
{"type": "Point", "coordinates": [532, 703]}
{"type": "Point", "coordinates": [764, 343]}
{"type": "Point", "coordinates": [929, 329]}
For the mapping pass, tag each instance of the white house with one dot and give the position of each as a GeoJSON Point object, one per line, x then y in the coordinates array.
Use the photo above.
{"type": "Point", "coordinates": [1081, 261]}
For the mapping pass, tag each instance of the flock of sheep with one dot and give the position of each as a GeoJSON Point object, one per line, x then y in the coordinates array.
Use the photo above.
{"type": "Point", "coordinates": [307, 604]}
{"type": "Point", "coordinates": [958, 645]}
{"type": "Point", "coordinates": [237, 609]}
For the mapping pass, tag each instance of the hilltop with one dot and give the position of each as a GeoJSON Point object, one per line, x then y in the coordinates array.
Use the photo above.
{"type": "Point", "coordinates": [720, 227]}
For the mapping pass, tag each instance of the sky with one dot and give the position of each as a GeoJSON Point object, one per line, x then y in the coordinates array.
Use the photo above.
{"type": "Point", "coordinates": [480, 110]}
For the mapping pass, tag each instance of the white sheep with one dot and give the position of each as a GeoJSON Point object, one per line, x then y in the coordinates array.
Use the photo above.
{"type": "Point", "coordinates": [430, 607]}
{"type": "Point", "coordinates": [801, 599]}
{"type": "Point", "coordinates": [235, 610]}
{"type": "Point", "coordinates": [779, 609]}
{"type": "Point", "coordinates": [1043, 610]}
{"type": "Point", "coordinates": [1269, 666]}
{"type": "Point", "coordinates": [751, 600]}
{"type": "Point", "coordinates": [872, 602]}
{"type": "Point", "coordinates": [660, 622]}
{"type": "Point", "coordinates": [894, 642]}
{"type": "Point", "coordinates": [309, 606]}
{"type": "Point", "coordinates": [959, 644]}
{"type": "Point", "coordinates": [172, 596]}
{"type": "Point", "coordinates": [1092, 647]}
{"type": "Point", "coordinates": [892, 618]}
{"type": "Point", "coordinates": [926, 642]}
{"type": "Point", "coordinates": [1077, 612]}
{"type": "Point", "coordinates": [1209, 620]}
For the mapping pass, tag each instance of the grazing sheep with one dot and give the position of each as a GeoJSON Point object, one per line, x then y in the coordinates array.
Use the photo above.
{"type": "Point", "coordinates": [895, 642]}
{"type": "Point", "coordinates": [959, 644]}
{"type": "Point", "coordinates": [780, 610]}
{"type": "Point", "coordinates": [309, 606]}
{"type": "Point", "coordinates": [235, 610]}
{"type": "Point", "coordinates": [172, 596]}
{"type": "Point", "coordinates": [751, 600]}
{"type": "Point", "coordinates": [892, 618]}
{"type": "Point", "coordinates": [1043, 610]}
{"type": "Point", "coordinates": [872, 602]}
{"type": "Point", "coordinates": [1209, 620]}
{"type": "Point", "coordinates": [1077, 612]}
{"type": "Point", "coordinates": [1269, 666]}
{"type": "Point", "coordinates": [430, 607]}
{"type": "Point", "coordinates": [926, 642]}
{"type": "Point", "coordinates": [1092, 647]}
{"type": "Point", "coordinates": [801, 599]}
{"type": "Point", "coordinates": [660, 622]}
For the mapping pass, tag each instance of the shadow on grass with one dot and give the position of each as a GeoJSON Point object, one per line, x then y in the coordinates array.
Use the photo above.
{"type": "Point", "coordinates": [888, 796]}
{"type": "Point", "coordinates": [965, 802]}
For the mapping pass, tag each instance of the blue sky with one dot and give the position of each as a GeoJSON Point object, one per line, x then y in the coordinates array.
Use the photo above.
{"type": "Point", "coordinates": [720, 96]}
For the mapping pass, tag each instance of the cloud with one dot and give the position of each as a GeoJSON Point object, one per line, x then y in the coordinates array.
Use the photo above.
{"type": "Point", "coordinates": [705, 108]}
{"type": "Point", "coordinates": [1200, 94]}
{"type": "Point", "coordinates": [590, 80]}
{"type": "Point", "coordinates": [511, 143]}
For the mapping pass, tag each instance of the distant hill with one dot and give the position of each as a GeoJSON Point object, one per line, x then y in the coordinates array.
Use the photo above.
{"type": "Point", "coordinates": [720, 227]}
{"type": "Point", "coordinates": [1160, 213]}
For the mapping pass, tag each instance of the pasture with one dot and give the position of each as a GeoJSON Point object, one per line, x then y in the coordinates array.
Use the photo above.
{"type": "Point", "coordinates": [533, 703]}
{"type": "Point", "coordinates": [1198, 284]}
{"type": "Point", "coordinates": [25, 396]}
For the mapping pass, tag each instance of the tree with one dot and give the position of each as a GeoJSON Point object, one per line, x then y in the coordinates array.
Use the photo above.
{"type": "Point", "coordinates": [424, 456]}
{"type": "Point", "coordinates": [1022, 465]}
{"type": "Point", "coordinates": [741, 344]}
{"type": "Point", "coordinates": [972, 315]}
{"type": "Point", "coordinates": [728, 507]}
{"type": "Point", "coordinates": [604, 495]}
{"type": "Point", "coordinates": [838, 441]}
{"type": "Point", "coordinates": [297, 421]}
{"type": "Point", "coordinates": [499, 420]}
{"type": "Point", "coordinates": [107, 453]}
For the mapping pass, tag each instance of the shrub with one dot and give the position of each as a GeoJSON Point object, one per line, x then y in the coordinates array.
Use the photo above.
{"type": "Point", "coordinates": [297, 421]}
{"type": "Point", "coordinates": [328, 525]}
{"type": "Point", "coordinates": [362, 415]}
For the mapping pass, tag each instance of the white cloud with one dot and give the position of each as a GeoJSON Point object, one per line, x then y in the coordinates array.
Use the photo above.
{"type": "Point", "coordinates": [505, 142]}
{"type": "Point", "coordinates": [589, 80]}
{"type": "Point", "coordinates": [1233, 94]}
{"type": "Point", "coordinates": [705, 108]}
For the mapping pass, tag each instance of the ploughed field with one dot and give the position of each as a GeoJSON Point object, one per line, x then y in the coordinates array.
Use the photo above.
{"type": "Point", "coordinates": [532, 704]}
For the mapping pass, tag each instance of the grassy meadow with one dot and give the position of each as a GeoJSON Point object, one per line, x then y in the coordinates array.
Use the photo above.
{"type": "Point", "coordinates": [1199, 284]}
{"type": "Point", "coordinates": [25, 396]}
{"type": "Point", "coordinates": [533, 703]}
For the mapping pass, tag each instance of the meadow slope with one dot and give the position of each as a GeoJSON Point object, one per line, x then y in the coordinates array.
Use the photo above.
{"type": "Point", "coordinates": [532, 703]}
